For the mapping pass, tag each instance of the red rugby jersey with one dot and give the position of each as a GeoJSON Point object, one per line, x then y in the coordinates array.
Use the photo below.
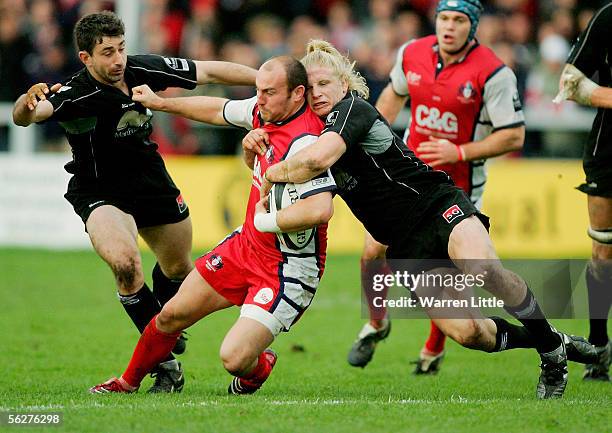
{"type": "Point", "coordinates": [286, 138]}
{"type": "Point", "coordinates": [462, 102]}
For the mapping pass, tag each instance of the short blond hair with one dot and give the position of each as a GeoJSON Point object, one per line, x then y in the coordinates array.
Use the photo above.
{"type": "Point", "coordinates": [322, 53]}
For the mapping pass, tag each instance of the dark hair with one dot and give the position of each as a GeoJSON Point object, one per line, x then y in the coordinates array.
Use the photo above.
{"type": "Point", "coordinates": [296, 72]}
{"type": "Point", "coordinates": [90, 29]}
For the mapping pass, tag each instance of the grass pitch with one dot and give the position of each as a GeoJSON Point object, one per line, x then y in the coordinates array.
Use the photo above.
{"type": "Point", "coordinates": [63, 330]}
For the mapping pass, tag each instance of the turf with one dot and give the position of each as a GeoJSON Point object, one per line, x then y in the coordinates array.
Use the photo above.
{"type": "Point", "coordinates": [63, 331]}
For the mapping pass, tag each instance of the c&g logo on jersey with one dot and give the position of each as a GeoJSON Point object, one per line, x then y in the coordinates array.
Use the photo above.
{"type": "Point", "coordinates": [433, 119]}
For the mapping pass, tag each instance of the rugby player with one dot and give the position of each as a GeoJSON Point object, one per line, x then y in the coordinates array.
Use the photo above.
{"type": "Point", "coordinates": [273, 283]}
{"type": "Point", "coordinates": [464, 108]}
{"type": "Point", "coordinates": [590, 55]}
{"type": "Point", "coordinates": [120, 187]}
{"type": "Point", "coordinates": [418, 213]}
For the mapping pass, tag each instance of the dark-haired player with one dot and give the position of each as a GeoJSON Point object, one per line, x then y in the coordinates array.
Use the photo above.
{"type": "Point", "coordinates": [120, 187]}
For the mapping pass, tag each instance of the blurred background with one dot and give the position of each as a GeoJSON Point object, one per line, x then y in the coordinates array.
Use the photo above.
{"type": "Point", "coordinates": [532, 37]}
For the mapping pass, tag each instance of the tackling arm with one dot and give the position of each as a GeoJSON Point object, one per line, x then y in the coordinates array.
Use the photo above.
{"type": "Point", "coordinates": [206, 109]}
{"type": "Point", "coordinates": [308, 162]}
{"type": "Point", "coordinates": [309, 212]}
{"type": "Point", "coordinates": [224, 73]}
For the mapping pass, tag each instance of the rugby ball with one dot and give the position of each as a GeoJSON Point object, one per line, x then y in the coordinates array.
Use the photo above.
{"type": "Point", "coordinates": [281, 196]}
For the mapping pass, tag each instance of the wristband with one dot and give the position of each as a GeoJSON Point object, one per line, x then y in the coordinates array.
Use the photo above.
{"type": "Point", "coordinates": [266, 223]}
{"type": "Point", "coordinates": [460, 153]}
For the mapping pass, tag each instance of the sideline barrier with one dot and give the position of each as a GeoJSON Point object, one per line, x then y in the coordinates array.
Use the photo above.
{"type": "Point", "coordinates": [535, 210]}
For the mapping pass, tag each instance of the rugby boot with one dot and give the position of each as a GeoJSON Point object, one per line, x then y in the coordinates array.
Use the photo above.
{"type": "Point", "coordinates": [599, 370]}
{"type": "Point", "coordinates": [553, 376]}
{"type": "Point", "coordinates": [427, 363]}
{"type": "Point", "coordinates": [363, 348]}
{"type": "Point", "coordinates": [240, 386]}
{"type": "Point", "coordinates": [169, 378]}
{"type": "Point", "coordinates": [112, 385]}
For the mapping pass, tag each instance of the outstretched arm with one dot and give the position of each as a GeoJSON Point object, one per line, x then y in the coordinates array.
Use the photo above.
{"type": "Point", "coordinates": [202, 108]}
{"type": "Point", "coordinates": [33, 105]}
{"type": "Point", "coordinates": [224, 73]}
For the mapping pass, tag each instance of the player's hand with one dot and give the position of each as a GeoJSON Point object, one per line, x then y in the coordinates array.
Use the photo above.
{"type": "Point", "coordinates": [256, 141]}
{"type": "Point", "coordinates": [438, 151]}
{"type": "Point", "coordinates": [262, 205]}
{"type": "Point", "coordinates": [266, 186]}
{"type": "Point", "coordinates": [146, 97]}
{"type": "Point", "coordinates": [575, 86]}
{"type": "Point", "coordinates": [39, 92]}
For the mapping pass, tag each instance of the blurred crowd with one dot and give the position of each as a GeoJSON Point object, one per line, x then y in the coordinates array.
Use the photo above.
{"type": "Point", "coordinates": [532, 37]}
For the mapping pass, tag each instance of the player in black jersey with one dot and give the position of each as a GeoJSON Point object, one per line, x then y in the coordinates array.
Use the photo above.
{"type": "Point", "coordinates": [418, 212]}
{"type": "Point", "coordinates": [589, 56]}
{"type": "Point", "coordinates": [120, 187]}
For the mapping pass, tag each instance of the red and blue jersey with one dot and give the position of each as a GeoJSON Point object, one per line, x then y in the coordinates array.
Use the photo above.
{"type": "Point", "coordinates": [462, 102]}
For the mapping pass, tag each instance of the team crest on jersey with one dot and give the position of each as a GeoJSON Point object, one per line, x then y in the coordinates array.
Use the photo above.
{"type": "Point", "coordinates": [467, 92]}
{"type": "Point", "coordinates": [331, 118]}
{"type": "Point", "coordinates": [181, 203]}
{"type": "Point", "coordinates": [413, 78]}
{"type": "Point", "coordinates": [214, 263]}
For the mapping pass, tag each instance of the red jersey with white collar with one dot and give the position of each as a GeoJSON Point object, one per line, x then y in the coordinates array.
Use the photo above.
{"type": "Point", "coordinates": [462, 102]}
{"type": "Point", "coordinates": [286, 138]}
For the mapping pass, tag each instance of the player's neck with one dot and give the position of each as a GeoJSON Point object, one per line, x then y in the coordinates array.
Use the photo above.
{"type": "Point", "coordinates": [448, 58]}
{"type": "Point", "coordinates": [121, 84]}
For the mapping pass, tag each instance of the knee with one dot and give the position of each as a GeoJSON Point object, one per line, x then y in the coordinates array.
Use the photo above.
{"type": "Point", "coordinates": [128, 272]}
{"type": "Point", "coordinates": [234, 360]}
{"type": "Point", "coordinates": [600, 269]}
{"type": "Point", "coordinates": [178, 269]}
{"type": "Point", "coordinates": [169, 319]}
{"type": "Point", "coordinates": [469, 334]}
{"type": "Point", "coordinates": [373, 251]}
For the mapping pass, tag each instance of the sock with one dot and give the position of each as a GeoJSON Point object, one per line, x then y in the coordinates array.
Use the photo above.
{"type": "Point", "coordinates": [435, 341]}
{"type": "Point", "coordinates": [369, 268]}
{"type": "Point", "coordinates": [511, 336]}
{"type": "Point", "coordinates": [599, 306]}
{"type": "Point", "coordinates": [529, 313]}
{"type": "Point", "coordinates": [164, 288]}
{"type": "Point", "coordinates": [153, 347]}
{"type": "Point", "coordinates": [261, 371]}
{"type": "Point", "coordinates": [140, 306]}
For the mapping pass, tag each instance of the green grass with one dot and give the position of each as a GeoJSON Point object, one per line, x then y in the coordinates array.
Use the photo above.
{"type": "Point", "coordinates": [63, 331]}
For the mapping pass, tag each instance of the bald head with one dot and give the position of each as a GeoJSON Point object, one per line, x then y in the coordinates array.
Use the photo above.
{"type": "Point", "coordinates": [295, 72]}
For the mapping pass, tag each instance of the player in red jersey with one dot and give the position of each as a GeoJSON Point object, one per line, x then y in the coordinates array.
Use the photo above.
{"type": "Point", "coordinates": [274, 284]}
{"type": "Point", "coordinates": [464, 108]}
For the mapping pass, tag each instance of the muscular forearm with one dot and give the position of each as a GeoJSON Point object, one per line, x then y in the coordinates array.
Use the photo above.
{"type": "Point", "coordinates": [224, 73]}
{"type": "Point", "coordinates": [202, 108]}
{"type": "Point", "coordinates": [309, 162]}
{"type": "Point", "coordinates": [497, 143]}
{"type": "Point", "coordinates": [306, 213]}
{"type": "Point", "coordinates": [602, 97]}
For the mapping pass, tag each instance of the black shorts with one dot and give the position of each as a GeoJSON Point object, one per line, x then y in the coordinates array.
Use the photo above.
{"type": "Point", "coordinates": [152, 198]}
{"type": "Point", "coordinates": [428, 239]}
{"type": "Point", "coordinates": [598, 182]}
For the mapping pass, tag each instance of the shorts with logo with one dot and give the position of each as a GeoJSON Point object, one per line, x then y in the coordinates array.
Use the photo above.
{"type": "Point", "coordinates": [448, 206]}
{"type": "Point", "coordinates": [152, 198]}
{"type": "Point", "coordinates": [272, 289]}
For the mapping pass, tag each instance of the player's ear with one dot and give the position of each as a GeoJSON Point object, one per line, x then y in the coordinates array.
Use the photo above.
{"type": "Point", "coordinates": [85, 57]}
{"type": "Point", "coordinates": [299, 92]}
